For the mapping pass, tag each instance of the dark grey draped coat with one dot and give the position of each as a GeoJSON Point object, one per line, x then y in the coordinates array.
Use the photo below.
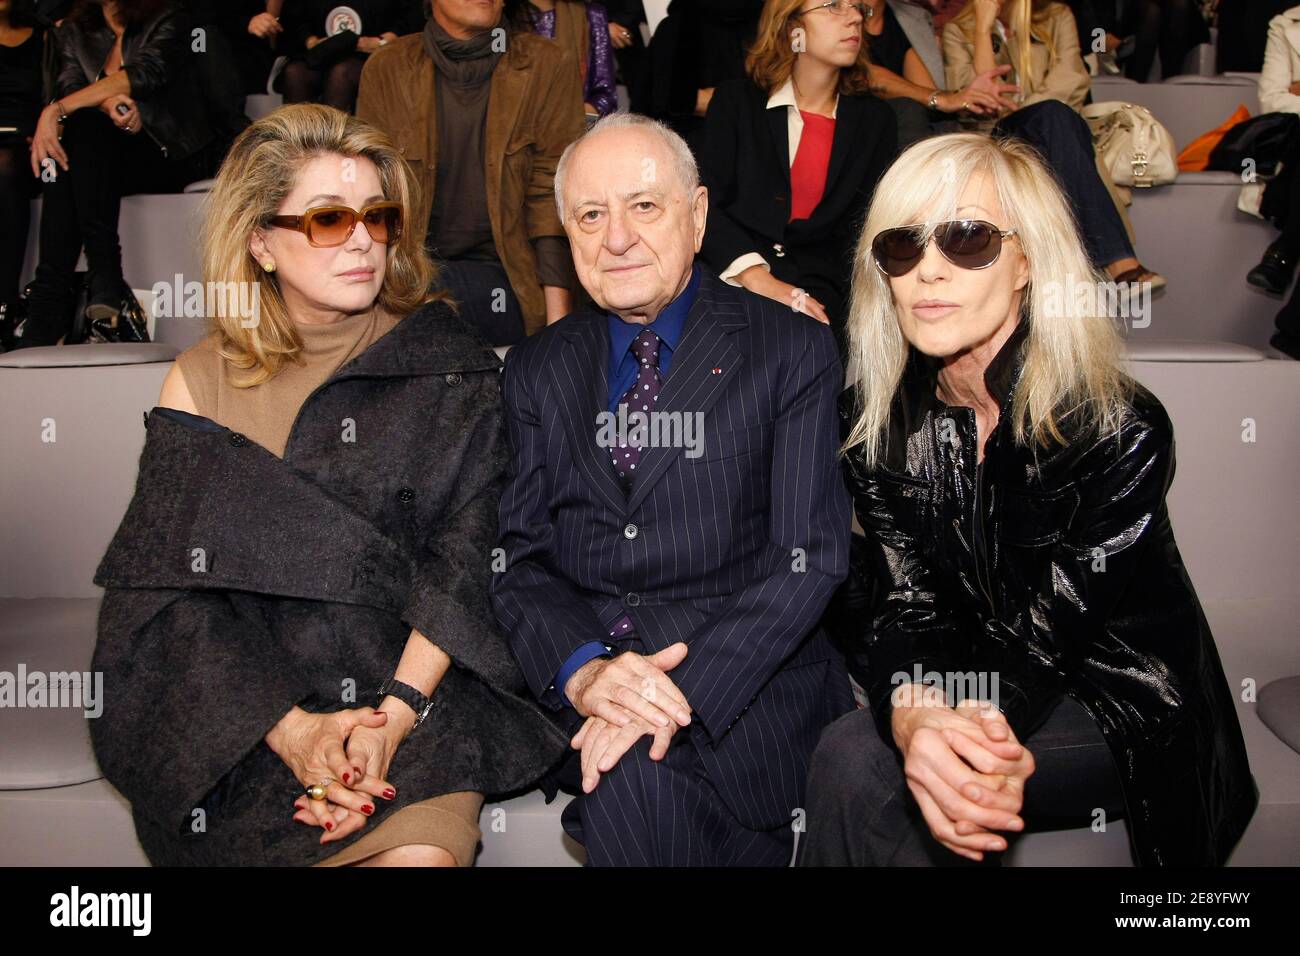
{"type": "Point", "coordinates": [240, 584]}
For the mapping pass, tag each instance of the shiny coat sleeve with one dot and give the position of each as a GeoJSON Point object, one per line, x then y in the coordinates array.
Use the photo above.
{"type": "Point", "coordinates": [914, 627]}
{"type": "Point", "coordinates": [155, 62]}
{"type": "Point", "coordinates": [71, 76]}
{"type": "Point", "coordinates": [1120, 493]}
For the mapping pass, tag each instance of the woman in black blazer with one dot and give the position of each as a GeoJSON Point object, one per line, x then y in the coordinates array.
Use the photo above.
{"type": "Point", "coordinates": [768, 142]}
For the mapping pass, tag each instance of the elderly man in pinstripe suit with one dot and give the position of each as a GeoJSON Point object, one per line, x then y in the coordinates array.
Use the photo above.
{"type": "Point", "coordinates": [663, 584]}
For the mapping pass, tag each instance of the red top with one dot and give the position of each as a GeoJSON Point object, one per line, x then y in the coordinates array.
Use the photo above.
{"type": "Point", "coordinates": [808, 174]}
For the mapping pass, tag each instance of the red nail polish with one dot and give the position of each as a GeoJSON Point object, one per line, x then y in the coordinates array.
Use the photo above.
{"type": "Point", "coordinates": [390, 793]}
{"type": "Point", "coordinates": [329, 825]}
{"type": "Point", "coordinates": [345, 778]}
{"type": "Point", "coordinates": [367, 809]}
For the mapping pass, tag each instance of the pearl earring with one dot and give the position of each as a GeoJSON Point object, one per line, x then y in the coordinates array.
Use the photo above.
{"type": "Point", "coordinates": [268, 266]}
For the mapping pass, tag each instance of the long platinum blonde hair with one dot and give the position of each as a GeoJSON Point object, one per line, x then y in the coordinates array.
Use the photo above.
{"type": "Point", "coordinates": [260, 170]}
{"type": "Point", "coordinates": [1073, 348]}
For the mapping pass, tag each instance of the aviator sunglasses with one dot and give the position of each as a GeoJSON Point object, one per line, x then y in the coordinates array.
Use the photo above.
{"type": "Point", "coordinates": [968, 243]}
{"type": "Point", "coordinates": [332, 225]}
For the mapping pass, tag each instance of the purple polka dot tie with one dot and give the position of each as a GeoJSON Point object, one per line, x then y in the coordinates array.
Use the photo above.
{"type": "Point", "coordinates": [641, 397]}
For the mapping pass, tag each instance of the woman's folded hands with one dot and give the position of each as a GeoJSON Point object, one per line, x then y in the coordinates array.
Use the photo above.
{"type": "Point", "coordinates": [349, 752]}
{"type": "Point", "coordinates": [966, 771]}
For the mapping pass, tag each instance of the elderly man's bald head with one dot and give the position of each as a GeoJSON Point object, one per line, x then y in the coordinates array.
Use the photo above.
{"type": "Point", "coordinates": [629, 196]}
{"type": "Point", "coordinates": [647, 132]}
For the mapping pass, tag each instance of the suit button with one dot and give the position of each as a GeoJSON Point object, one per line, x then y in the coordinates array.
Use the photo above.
{"type": "Point", "coordinates": [454, 379]}
{"type": "Point", "coordinates": [632, 599]}
{"type": "Point", "coordinates": [630, 532]}
{"type": "Point", "coordinates": [405, 494]}
{"type": "Point", "coordinates": [238, 440]}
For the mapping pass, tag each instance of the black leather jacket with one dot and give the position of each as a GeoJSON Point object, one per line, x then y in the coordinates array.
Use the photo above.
{"type": "Point", "coordinates": [1051, 577]}
{"type": "Point", "coordinates": [157, 60]}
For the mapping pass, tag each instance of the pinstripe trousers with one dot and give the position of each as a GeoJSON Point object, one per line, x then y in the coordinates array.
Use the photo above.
{"type": "Point", "coordinates": [665, 812]}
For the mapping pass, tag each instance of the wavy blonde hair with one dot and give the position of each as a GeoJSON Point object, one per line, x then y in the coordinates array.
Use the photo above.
{"type": "Point", "coordinates": [1028, 18]}
{"type": "Point", "coordinates": [1072, 352]}
{"type": "Point", "coordinates": [260, 170]}
{"type": "Point", "coordinates": [771, 59]}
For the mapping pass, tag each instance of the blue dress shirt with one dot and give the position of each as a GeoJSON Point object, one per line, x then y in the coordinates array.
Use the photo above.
{"type": "Point", "coordinates": [667, 325]}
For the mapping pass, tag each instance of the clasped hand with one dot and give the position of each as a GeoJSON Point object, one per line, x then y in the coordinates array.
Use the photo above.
{"type": "Point", "coordinates": [624, 699]}
{"type": "Point", "coordinates": [352, 749]}
{"type": "Point", "coordinates": [966, 771]}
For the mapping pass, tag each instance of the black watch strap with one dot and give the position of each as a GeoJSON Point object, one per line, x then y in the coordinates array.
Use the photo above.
{"type": "Point", "coordinates": [407, 695]}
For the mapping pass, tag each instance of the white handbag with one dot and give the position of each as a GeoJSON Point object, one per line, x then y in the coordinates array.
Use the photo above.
{"type": "Point", "coordinates": [1132, 145]}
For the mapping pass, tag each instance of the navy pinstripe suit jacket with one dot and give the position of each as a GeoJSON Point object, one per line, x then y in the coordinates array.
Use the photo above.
{"type": "Point", "coordinates": [735, 551]}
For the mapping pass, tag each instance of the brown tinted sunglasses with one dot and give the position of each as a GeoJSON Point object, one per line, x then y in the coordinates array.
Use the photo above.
{"type": "Point", "coordinates": [968, 243]}
{"type": "Point", "coordinates": [333, 225]}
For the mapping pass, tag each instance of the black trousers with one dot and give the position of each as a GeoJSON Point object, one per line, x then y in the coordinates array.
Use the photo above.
{"type": "Point", "coordinates": [17, 188]}
{"type": "Point", "coordinates": [81, 207]}
{"type": "Point", "coordinates": [862, 813]}
{"type": "Point", "coordinates": [485, 298]}
{"type": "Point", "coordinates": [1171, 26]}
{"type": "Point", "coordinates": [1063, 139]}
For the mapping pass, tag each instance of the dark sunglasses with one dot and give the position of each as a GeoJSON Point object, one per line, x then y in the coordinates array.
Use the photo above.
{"type": "Point", "coordinates": [968, 243]}
{"type": "Point", "coordinates": [332, 225]}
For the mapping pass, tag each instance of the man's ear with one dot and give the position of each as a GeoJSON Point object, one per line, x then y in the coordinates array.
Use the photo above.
{"type": "Point", "coordinates": [699, 214]}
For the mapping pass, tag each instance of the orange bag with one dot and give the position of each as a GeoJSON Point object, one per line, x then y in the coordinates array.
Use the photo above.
{"type": "Point", "coordinates": [1196, 154]}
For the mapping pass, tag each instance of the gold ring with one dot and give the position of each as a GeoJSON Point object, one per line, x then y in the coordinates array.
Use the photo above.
{"type": "Point", "coordinates": [317, 792]}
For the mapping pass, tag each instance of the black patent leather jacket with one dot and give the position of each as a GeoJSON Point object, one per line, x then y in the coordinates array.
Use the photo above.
{"type": "Point", "coordinates": [156, 58]}
{"type": "Point", "coordinates": [1049, 577]}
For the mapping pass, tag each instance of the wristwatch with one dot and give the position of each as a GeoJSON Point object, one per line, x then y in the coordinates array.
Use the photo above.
{"type": "Point", "coordinates": [407, 695]}
{"type": "Point", "coordinates": [934, 99]}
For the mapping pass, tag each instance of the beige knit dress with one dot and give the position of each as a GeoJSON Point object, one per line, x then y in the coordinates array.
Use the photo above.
{"type": "Point", "coordinates": [265, 414]}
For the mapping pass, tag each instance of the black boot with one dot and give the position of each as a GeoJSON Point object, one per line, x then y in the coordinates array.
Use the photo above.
{"type": "Point", "coordinates": [1274, 272]}
{"type": "Point", "coordinates": [127, 323]}
{"type": "Point", "coordinates": [44, 315]}
{"type": "Point", "coordinates": [105, 292]}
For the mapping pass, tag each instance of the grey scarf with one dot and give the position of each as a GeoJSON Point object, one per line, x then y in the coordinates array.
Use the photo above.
{"type": "Point", "coordinates": [463, 62]}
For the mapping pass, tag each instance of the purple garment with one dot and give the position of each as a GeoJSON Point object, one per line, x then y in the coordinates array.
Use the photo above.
{"type": "Point", "coordinates": [599, 88]}
{"type": "Point", "coordinates": [640, 397]}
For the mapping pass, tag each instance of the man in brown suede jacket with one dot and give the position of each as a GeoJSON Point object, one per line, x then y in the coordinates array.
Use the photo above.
{"type": "Point", "coordinates": [482, 108]}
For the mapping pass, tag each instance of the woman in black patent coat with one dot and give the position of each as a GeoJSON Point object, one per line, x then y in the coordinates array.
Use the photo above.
{"type": "Point", "coordinates": [1011, 565]}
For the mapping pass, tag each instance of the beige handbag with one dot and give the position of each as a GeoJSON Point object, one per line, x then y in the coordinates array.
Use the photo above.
{"type": "Point", "coordinates": [1131, 144]}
